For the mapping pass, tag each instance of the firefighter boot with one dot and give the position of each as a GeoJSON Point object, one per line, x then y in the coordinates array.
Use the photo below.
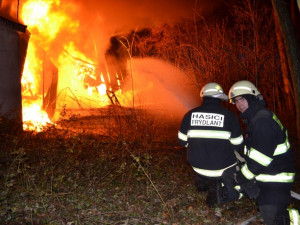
{"type": "Point", "coordinates": [201, 183]}
{"type": "Point", "coordinates": [211, 199]}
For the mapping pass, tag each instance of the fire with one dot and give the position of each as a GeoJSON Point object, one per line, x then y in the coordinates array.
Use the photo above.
{"type": "Point", "coordinates": [79, 83]}
{"type": "Point", "coordinates": [80, 75]}
{"type": "Point", "coordinates": [44, 23]}
{"type": "Point", "coordinates": [34, 12]}
{"type": "Point", "coordinates": [34, 118]}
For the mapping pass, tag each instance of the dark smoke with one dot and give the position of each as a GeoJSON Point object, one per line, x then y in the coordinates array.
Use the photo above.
{"type": "Point", "coordinates": [102, 19]}
{"type": "Point", "coordinates": [121, 16]}
{"type": "Point", "coordinates": [9, 9]}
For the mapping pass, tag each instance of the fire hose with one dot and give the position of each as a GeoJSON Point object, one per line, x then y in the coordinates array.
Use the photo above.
{"type": "Point", "coordinates": [295, 195]}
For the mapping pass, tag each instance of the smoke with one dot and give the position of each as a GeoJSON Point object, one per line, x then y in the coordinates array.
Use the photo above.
{"type": "Point", "coordinates": [90, 24]}
{"type": "Point", "coordinates": [121, 16]}
{"type": "Point", "coordinates": [160, 86]}
{"type": "Point", "coordinates": [101, 19]}
{"type": "Point", "coordinates": [98, 20]}
{"type": "Point", "coordinates": [9, 9]}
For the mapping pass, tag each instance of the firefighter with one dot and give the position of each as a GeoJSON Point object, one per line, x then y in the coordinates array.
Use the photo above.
{"type": "Point", "coordinates": [268, 173]}
{"type": "Point", "coordinates": [211, 133]}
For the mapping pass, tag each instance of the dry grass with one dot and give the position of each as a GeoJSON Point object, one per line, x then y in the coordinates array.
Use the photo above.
{"type": "Point", "coordinates": [123, 166]}
{"type": "Point", "coordinates": [64, 177]}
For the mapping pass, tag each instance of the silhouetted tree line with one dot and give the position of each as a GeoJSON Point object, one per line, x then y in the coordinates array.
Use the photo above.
{"type": "Point", "coordinates": [244, 43]}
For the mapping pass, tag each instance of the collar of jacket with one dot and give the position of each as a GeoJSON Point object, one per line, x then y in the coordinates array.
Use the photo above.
{"type": "Point", "coordinates": [210, 100]}
{"type": "Point", "coordinates": [253, 108]}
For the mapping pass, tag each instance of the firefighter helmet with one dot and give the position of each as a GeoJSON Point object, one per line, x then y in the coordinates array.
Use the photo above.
{"type": "Point", "coordinates": [213, 90]}
{"type": "Point", "coordinates": [242, 87]}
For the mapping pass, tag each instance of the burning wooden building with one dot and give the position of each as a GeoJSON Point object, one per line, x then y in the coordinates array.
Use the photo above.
{"type": "Point", "coordinates": [73, 63]}
{"type": "Point", "coordinates": [19, 89]}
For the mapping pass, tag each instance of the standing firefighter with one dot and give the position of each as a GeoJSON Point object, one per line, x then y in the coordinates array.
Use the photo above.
{"type": "Point", "coordinates": [268, 173]}
{"type": "Point", "coordinates": [211, 133]}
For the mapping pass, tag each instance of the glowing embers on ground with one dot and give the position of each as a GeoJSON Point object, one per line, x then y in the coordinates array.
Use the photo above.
{"type": "Point", "coordinates": [34, 118]}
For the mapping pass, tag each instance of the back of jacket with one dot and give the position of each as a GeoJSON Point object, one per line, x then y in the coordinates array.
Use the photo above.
{"type": "Point", "coordinates": [211, 133]}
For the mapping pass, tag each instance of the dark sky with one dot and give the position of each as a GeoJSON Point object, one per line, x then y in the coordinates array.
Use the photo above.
{"type": "Point", "coordinates": [130, 14]}
{"type": "Point", "coordinates": [118, 16]}
{"type": "Point", "coordinates": [101, 19]}
{"type": "Point", "coordinates": [130, 11]}
{"type": "Point", "coordinates": [104, 18]}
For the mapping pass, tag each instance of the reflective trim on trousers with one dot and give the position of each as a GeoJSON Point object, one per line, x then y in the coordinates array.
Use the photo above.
{"type": "Point", "coordinates": [294, 216]}
{"type": "Point", "coordinates": [211, 173]}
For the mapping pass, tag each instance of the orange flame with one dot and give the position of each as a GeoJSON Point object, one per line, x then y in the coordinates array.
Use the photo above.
{"type": "Point", "coordinates": [34, 118]}
{"type": "Point", "coordinates": [77, 74]}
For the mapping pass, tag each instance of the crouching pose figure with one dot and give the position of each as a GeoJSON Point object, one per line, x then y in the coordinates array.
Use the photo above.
{"type": "Point", "coordinates": [268, 173]}
{"type": "Point", "coordinates": [211, 133]}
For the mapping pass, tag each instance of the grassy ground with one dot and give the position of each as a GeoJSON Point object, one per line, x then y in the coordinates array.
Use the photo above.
{"type": "Point", "coordinates": [64, 177]}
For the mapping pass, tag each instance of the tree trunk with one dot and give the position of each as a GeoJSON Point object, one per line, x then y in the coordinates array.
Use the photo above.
{"type": "Point", "coordinates": [292, 50]}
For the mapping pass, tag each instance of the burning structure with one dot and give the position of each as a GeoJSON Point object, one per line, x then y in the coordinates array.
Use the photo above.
{"type": "Point", "coordinates": [75, 65]}
{"type": "Point", "coordinates": [29, 91]}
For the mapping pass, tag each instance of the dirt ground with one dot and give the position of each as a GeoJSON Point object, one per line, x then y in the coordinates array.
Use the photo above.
{"type": "Point", "coordinates": [112, 167]}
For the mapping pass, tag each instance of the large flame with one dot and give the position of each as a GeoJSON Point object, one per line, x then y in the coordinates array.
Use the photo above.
{"type": "Point", "coordinates": [79, 77]}
{"type": "Point", "coordinates": [34, 118]}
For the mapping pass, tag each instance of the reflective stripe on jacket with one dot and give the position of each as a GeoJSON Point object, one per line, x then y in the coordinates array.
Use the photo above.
{"type": "Point", "coordinates": [260, 158]}
{"type": "Point", "coordinates": [211, 133]}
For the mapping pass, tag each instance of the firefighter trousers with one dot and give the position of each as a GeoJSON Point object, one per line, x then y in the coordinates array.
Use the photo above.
{"type": "Point", "coordinates": [279, 215]}
{"type": "Point", "coordinates": [210, 185]}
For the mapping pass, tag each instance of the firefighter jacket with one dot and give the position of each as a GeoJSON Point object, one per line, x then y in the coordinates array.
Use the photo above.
{"type": "Point", "coordinates": [269, 159]}
{"type": "Point", "coordinates": [211, 133]}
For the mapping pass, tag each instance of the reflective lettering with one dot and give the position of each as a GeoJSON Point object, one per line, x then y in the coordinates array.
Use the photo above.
{"type": "Point", "coordinates": [207, 119]}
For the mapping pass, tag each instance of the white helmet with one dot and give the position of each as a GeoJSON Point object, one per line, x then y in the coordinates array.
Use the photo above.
{"type": "Point", "coordinates": [242, 87]}
{"type": "Point", "coordinates": [213, 90]}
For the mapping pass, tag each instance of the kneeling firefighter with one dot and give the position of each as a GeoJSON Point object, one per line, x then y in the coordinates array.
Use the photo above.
{"type": "Point", "coordinates": [268, 173]}
{"type": "Point", "coordinates": [211, 133]}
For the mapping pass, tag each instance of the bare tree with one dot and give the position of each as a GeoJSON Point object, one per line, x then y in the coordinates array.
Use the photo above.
{"type": "Point", "coordinates": [243, 45]}
{"type": "Point", "coordinates": [292, 50]}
